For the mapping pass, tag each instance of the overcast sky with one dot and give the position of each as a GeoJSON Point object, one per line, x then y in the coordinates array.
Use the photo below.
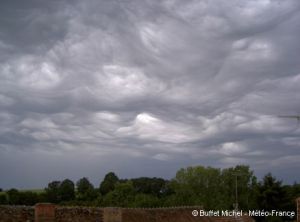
{"type": "Point", "coordinates": [145, 87]}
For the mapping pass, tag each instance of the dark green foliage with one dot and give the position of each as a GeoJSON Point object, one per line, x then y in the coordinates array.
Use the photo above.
{"type": "Point", "coordinates": [85, 190]}
{"type": "Point", "coordinates": [57, 191]}
{"type": "Point", "coordinates": [212, 188]}
{"type": "Point", "coordinates": [242, 177]}
{"type": "Point", "coordinates": [13, 196]}
{"type": "Point", "coordinates": [84, 185]}
{"type": "Point", "coordinates": [294, 190]}
{"type": "Point", "coordinates": [52, 192]}
{"type": "Point", "coordinates": [146, 185]}
{"type": "Point", "coordinates": [42, 197]}
{"type": "Point", "coordinates": [271, 194]}
{"type": "Point", "coordinates": [16, 197]}
{"type": "Point", "coordinates": [108, 184]}
{"type": "Point", "coordinates": [28, 198]}
{"type": "Point", "coordinates": [67, 190]}
{"type": "Point", "coordinates": [194, 186]}
{"type": "Point", "coordinates": [123, 195]}
{"type": "Point", "coordinates": [146, 200]}
{"type": "Point", "coordinates": [3, 199]}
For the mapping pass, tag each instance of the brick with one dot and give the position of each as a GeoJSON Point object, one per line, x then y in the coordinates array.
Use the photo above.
{"type": "Point", "coordinates": [44, 212]}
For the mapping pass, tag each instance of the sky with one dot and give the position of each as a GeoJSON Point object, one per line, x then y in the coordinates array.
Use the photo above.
{"type": "Point", "coordinates": [145, 87]}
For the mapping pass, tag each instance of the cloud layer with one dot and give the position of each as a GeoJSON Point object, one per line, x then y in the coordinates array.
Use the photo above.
{"type": "Point", "coordinates": [147, 87]}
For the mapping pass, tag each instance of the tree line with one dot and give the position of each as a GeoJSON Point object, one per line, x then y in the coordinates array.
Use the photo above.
{"type": "Point", "coordinates": [211, 188]}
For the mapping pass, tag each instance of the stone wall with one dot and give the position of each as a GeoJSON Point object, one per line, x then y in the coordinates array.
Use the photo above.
{"type": "Point", "coordinates": [16, 214]}
{"type": "Point", "coordinates": [180, 214]}
{"type": "Point", "coordinates": [161, 214]}
{"type": "Point", "coordinates": [78, 214]}
{"type": "Point", "coordinates": [50, 213]}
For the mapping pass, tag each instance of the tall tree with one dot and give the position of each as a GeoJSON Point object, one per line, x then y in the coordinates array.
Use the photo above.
{"type": "Point", "coordinates": [271, 194]}
{"type": "Point", "coordinates": [239, 185]}
{"type": "Point", "coordinates": [85, 190]}
{"type": "Point", "coordinates": [67, 190]}
{"type": "Point", "coordinates": [194, 186]}
{"type": "Point", "coordinates": [52, 192]}
{"type": "Point", "coordinates": [108, 184]}
{"type": "Point", "coordinates": [122, 196]}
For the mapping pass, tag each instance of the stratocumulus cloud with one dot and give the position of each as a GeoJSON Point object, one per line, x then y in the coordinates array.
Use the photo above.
{"type": "Point", "coordinates": [143, 88]}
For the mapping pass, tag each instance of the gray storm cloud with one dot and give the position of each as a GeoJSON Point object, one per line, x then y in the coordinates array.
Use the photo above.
{"type": "Point", "coordinates": [146, 87]}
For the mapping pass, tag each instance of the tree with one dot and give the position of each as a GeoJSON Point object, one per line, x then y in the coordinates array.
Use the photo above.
{"type": "Point", "coordinates": [109, 182]}
{"type": "Point", "coordinates": [154, 186]}
{"type": "Point", "coordinates": [28, 198]}
{"type": "Point", "coordinates": [146, 200]}
{"type": "Point", "coordinates": [295, 191]}
{"type": "Point", "coordinates": [271, 194]}
{"type": "Point", "coordinates": [13, 196]}
{"type": "Point", "coordinates": [53, 192]}
{"type": "Point", "coordinates": [3, 199]}
{"type": "Point", "coordinates": [239, 182]}
{"type": "Point", "coordinates": [122, 196]}
{"type": "Point", "coordinates": [194, 186]}
{"type": "Point", "coordinates": [67, 190]}
{"type": "Point", "coordinates": [85, 190]}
